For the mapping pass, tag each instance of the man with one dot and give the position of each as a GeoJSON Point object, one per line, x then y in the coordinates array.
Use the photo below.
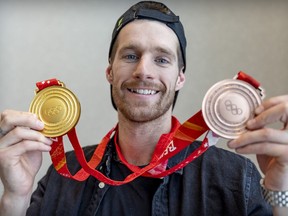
{"type": "Point", "coordinates": [146, 70]}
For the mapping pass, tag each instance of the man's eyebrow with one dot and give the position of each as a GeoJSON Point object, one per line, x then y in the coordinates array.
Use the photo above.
{"type": "Point", "coordinates": [129, 47]}
{"type": "Point", "coordinates": [165, 51]}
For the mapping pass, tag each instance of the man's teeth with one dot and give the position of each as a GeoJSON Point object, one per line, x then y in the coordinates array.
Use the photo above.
{"type": "Point", "coordinates": [144, 91]}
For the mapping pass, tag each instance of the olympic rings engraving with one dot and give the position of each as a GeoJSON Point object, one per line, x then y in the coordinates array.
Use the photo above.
{"type": "Point", "coordinates": [53, 110]}
{"type": "Point", "coordinates": [233, 108]}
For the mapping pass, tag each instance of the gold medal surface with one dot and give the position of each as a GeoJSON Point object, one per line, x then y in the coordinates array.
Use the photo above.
{"type": "Point", "coordinates": [58, 108]}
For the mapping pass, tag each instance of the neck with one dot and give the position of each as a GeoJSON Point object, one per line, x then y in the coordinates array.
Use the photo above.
{"type": "Point", "coordinates": [137, 140]}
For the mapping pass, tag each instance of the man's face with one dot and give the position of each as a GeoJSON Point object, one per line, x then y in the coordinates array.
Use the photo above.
{"type": "Point", "coordinates": [144, 73]}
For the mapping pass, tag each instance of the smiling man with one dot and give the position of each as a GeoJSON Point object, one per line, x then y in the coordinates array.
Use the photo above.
{"type": "Point", "coordinates": [144, 74]}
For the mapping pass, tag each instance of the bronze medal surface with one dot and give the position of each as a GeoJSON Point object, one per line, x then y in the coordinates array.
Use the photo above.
{"type": "Point", "coordinates": [58, 108]}
{"type": "Point", "coordinates": [228, 105]}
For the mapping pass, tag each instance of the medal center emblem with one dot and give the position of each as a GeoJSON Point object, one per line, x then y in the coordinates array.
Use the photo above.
{"type": "Point", "coordinates": [53, 110]}
{"type": "Point", "coordinates": [232, 109]}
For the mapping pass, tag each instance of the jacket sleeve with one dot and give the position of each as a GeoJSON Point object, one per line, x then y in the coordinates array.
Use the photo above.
{"type": "Point", "coordinates": [38, 194]}
{"type": "Point", "coordinates": [57, 195]}
{"type": "Point", "coordinates": [256, 205]}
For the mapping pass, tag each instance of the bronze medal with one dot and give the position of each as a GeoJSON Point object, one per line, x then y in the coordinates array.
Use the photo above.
{"type": "Point", "coordinates": [228, 105]}
{"type": "Point", "coordinates": [58, 108]}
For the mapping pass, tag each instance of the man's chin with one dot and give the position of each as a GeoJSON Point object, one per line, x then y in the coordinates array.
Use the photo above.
{"type": "Point", "coordinates": [140, 114]}
{"type": "Point", "coordinates": [143, 115]}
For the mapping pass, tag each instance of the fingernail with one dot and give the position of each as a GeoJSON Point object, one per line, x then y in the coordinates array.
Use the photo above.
{"type": "Point", "coordinates": [259, 109]}
{"type": "Point", "coordinates": [49, 141]}
{"type": "Point", "coordinates": [230, 144]}
{"type": "Point", "coordinates": [40, 124]}
{"type": "Point", "coordinates": [47, 148]}
{"type": "Point", "coordinates": [251, 122]}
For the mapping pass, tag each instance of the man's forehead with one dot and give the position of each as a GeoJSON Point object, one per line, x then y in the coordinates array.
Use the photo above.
{"type": "Point", "coordinates": [148, 31]}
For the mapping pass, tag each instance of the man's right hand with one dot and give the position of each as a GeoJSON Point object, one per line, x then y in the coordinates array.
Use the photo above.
{"type": "Point", "coordinates": [21, 147]}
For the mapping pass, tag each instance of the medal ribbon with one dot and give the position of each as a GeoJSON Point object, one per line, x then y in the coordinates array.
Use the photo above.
{"type": "Point", "coordinates": [168, 145]}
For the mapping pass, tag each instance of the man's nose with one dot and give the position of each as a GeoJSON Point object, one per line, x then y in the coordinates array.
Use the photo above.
{"type": "Point", "coordinates": [144, 69]}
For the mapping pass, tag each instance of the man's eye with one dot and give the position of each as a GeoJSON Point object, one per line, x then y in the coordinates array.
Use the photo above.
{"type": "Point", "coordinates": [131, 57]}
{"type": "Point", "coordinates": [162, 60]}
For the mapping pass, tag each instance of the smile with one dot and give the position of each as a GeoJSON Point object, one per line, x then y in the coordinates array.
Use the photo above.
{"type": "Point", "coordinates": [143, 91]}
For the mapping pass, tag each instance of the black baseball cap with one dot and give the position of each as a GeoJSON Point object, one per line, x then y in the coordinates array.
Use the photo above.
{"type": "Point", "coordinates": [152, 10]}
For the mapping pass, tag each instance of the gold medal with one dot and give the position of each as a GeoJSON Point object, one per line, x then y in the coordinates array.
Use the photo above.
{"type": "Point", "coordinates": [58, 108]}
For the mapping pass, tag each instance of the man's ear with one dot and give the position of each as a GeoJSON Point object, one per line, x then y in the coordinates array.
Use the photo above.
{"type": "Point", "coordinates": [180, 80]}
{"type": "Point", "coordinates": [109, 74]}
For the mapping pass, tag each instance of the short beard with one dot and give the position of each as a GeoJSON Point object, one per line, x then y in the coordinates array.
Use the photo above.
{"type": "Point", "coordinates": [141, 113]}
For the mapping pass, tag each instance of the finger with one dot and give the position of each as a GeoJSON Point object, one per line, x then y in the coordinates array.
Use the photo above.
{"type": "Point", "coordinates": [20, 133]}
{"type": "Point", "coordinates": [258, 136]}
{"type": "Point", "coordinates": [26, 146]}
{"type": "Point", "coordinates": [278, 112]}
{"type": "Point", "coordinates": [11, 118]}
{"type": "Point", "coordinates": [265, 148]}
{"type": "Point", "coordinates": [266, 104]}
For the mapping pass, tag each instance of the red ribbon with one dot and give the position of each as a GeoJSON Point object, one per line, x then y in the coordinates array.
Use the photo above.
{"type": "Point", "coordinates": [168, 145]}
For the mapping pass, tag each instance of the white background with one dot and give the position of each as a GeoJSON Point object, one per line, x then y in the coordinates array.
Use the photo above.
{"type": "Point", "coordinates": [69, 40]}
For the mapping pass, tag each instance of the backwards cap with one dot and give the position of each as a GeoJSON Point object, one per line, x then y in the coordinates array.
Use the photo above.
{"type": "Point", "coordinates": [150, 10]}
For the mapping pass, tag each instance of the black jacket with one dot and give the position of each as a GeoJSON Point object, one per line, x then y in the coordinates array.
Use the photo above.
{"type": "Point", "coordinates": [217, 183]}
